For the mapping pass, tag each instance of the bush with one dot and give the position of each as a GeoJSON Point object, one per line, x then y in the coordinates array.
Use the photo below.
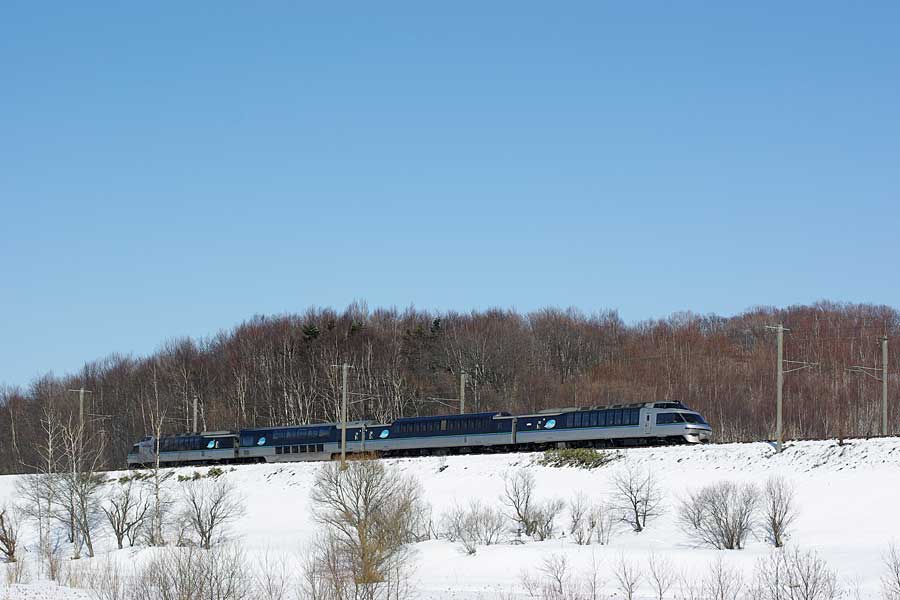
{"type": "Point", "coordinates": [795, 575]}
{"type": "Point", "coordinates": [720, 515]}
{"type": "Point", "coordinates": [196, 475]}
{"type": "Point", "coordinates": [365, 509]}
{"type": "Point", "coordinates": [534, 518]}
{"type": "Point", "coordinates": [194, 573]}
{"type": "Point", "coordinates": [779, 509]}
{"type": "Point", "coordinates": [473, 525]}
{"type": "Point", "coordinates": [582, 458]}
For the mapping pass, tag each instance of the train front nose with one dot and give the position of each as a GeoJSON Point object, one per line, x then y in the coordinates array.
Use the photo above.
{"type": "Point", "coordinates": [696, 435]}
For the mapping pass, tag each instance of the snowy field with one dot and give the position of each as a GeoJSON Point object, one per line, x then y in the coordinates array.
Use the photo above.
{"type": "Point", "coordinates": [847, 498]}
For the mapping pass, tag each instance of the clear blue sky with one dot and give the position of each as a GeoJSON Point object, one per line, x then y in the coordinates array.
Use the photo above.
{"type": "Point", "coordinates": [173, 168]}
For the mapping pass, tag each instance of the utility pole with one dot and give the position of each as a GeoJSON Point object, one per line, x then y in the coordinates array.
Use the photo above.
{"type": "Point", "coordinates": [884, 386]}
{"type": "Point", "coordinates": [345, 368]}
{"type": "Point", "coordinates": [873, 373]}
{"type": "Point", "coordinates": [345, 371]}
{"type": "Point", "coordinates": [779, 394]}
{"type": "Point", "coordinates": [76, 469]}
{"type": "Point", "coordinates": [81, 392]}
{"type": "Point", "coordinates": [462, 392]}
{"type": "Point", "coordinates": [779, 397]}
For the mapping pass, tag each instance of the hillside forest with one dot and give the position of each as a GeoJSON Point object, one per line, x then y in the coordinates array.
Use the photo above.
{"type": "Point", "coordinates": [276, 370]}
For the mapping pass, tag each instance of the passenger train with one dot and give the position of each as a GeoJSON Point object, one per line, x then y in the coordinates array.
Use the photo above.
{"type": "Point", "coordinates": [618, 425]}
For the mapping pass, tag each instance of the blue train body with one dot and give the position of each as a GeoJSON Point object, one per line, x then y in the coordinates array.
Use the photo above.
{"type": "Point", "coordinates": [621, 425]}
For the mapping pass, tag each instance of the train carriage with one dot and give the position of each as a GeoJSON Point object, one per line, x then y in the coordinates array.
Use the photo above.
{"type": "Point", "coordinates": [617, 425]}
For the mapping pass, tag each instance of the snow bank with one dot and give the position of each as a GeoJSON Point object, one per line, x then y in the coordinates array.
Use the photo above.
{"type": "Point", "coordinates": [847, 495]}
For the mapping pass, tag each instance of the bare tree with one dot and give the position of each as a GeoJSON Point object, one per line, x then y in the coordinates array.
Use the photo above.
{"type": "Point", "coordinates": [581, 526]}
{"type": "Point", "coordinates": [720, 514]}
{"type": "Point", "coordinates": [557, 581]}
{"type": "Point", "coordinates": [690, 588]}
{"type": "Point", "coordinates": [627, 576]}
{"type": "Point", "coordinates": [518, 497]}
{"type": "Point", "coordinates": [38, 492]}
{"type": "Point", "coordinates": [603, 521]}
{"type": "Point", "coordinates": [107, 581]}
{"type": "Point", "coordinates": [272, 577]}
{"type": "Point", "coordinates": [792, 574]}
{"type": "Point", "coordinates": [473, 525]}
{"type": "Point", "coordinates": [554, 582]}
{"type": "Point", "coordinates": [890, 581]}
{"type": "Point", "coordinates": [10, 523]}
{"type": "Point", "coordinates": [779, 509]}
{"type": "Point", "coordinates": [722, 582]}
{"type": "Point", "coordinates": [126, 510]}
{"type": "Point", "coordinates": [660, 574]}
{"type": "Point", "coordinates": [190, 573]}
{"type": "Point", "coordinates": [209, 506]}
{"type": "Point", "coordinates": [545, 514]}
{"type": "Point", "coordinates": [161, 501]}
{"type": "Point", "coordinates": [79, 484]}
{"type": "Point", "coordinates": [363, 508]}
{"type": "Point", "coordinates": [17, 572]}
{"type": "Point", "coordinates": [637, 496]}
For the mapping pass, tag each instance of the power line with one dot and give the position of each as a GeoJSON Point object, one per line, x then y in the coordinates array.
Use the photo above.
{"type": "Point", "coordinates": [780, 329]}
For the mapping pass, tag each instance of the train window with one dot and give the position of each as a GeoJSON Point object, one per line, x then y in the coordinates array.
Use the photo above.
{"type": "Point", "coordinates": [617, 417]}
{"type": "Point", "coordinates": [294, 449]}
{"type": "Point", "coordinates": [278, 450]}
{"type": "Point", "coordinates": [593, 416]}
{"type": "Point", "coordinates": [601, 418]}
{"type": "Point", "coordinates": [320, 447]}
{"type": "Point", "coordinates": [577, 419]}
{"type": "Point", "coordinates": [694, 418]}
{"type": "Point", "coordinates": [443, 424]}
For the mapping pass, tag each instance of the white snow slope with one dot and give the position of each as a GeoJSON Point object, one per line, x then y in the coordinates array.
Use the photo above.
{"type": "Point", "coordinates": [847, 497]}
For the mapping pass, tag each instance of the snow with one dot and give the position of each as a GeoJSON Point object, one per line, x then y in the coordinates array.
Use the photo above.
{"type": "Point", "coordinates": [846, 495]}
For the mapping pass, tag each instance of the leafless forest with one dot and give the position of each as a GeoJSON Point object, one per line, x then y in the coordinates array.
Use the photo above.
{"type": "Point", "coordinates": [278, 370]}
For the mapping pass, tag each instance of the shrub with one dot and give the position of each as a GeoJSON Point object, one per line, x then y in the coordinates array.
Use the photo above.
{"type": "Point", "coordinates": [473, 525]}
{"type": "Point", "coordinates": [582, 458]}
{"type": "Point", "coordinates": [720, 515]}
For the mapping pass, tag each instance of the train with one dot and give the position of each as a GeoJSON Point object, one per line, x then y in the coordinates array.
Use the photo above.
{"type": "Point", "coordinates": [651, 423]}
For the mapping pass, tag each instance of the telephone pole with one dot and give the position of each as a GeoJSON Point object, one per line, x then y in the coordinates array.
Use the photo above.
{"type": "Point", "coordinates": [462, 392]}
{"type": "Point", "coordinates": [779, 394]}
{"type": "Point", "coordinates": [345, 371]}
{"type": "Point", "coordinates": [873, 373]}
{"type": "Point", "coordinates": [76, 467]}
{"type": "Point", "coordinates": [884, 386]}
{"type": "Point", "coordinates": [81, 392]}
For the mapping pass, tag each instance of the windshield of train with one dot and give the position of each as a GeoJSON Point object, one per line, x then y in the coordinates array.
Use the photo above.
{"type": "Point", "coordinates": [694, 418]}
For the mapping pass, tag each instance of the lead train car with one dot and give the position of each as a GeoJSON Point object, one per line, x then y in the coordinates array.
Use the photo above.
{"type": "Point", "coordinates": [635, 424]}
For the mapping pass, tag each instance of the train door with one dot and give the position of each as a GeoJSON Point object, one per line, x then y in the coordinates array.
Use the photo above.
{"type": "Point", "coordinates": [646, 422]}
